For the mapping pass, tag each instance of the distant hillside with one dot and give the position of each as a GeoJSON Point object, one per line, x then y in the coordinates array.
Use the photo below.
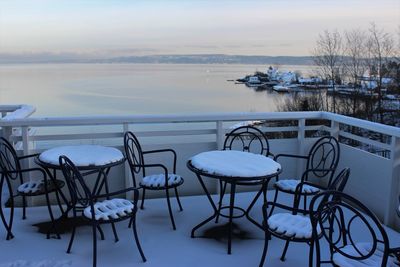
{"type": "Point", "coordinates": [214, 59]}
{"type": "Point", "coordinates": [153, 59]}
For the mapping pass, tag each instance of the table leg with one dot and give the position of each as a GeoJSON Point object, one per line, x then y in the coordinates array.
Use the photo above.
{"type": "Point", "coordinates": [231, 206]}
{"type": "Point", "coordinates": [211, 202]}
{"type": "Point", "coordinates": [59, 193]}
{"type": "Point", "coordinates": [53, 222]}
{"type": "Point", "coordinates": [247, 213]}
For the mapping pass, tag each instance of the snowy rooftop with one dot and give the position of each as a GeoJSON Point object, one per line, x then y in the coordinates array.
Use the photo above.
{"type": "Point", "coordinates": [162, 246]}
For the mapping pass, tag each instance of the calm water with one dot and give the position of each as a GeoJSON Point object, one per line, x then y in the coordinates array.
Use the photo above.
{"type": "Point", "coordinates": [127, 89]}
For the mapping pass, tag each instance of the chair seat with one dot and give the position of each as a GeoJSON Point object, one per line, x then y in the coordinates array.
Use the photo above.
{"type": "Point", "coordinates": [374, 260]}
{"type": "Point", "coordinates": [291, 226]}
{"type": "Point", "coordinates": [33, 188]}
{"type": "Point", "coordinates": [290, 185]}
{"type": "Point", "coordinates": [158, 180]}
{"type": "Point", "coordinates": [111, 209]}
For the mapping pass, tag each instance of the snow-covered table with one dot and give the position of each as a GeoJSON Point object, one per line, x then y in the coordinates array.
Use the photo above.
{"type": "Point", "coordinates": [91, 158]}
{"type": "Point", "coordinates": [233, 167]}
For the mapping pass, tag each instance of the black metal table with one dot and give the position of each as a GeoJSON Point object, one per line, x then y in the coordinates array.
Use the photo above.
{"type": "Point", "coordinates": [233, 167]}
{"type": "Point", "coordinates": [90, 158]}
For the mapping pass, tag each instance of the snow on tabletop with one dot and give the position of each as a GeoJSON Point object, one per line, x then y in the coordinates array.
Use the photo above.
{"type": "Point", "coordinates": [83, 155]}
{"type": "Point", "coordinates": [235, 163]}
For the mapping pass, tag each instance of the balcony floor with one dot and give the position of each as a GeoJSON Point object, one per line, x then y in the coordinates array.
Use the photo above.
{"type": "Point", "coordinates": [162, 246]}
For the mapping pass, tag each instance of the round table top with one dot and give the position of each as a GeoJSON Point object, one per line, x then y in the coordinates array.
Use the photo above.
{"type": "Point", "coordinates": [232, 163]}
{"type": "Point", "coordinates": [83, 155]}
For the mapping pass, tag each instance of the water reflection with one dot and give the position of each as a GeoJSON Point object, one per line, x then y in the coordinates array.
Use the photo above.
{"type": "Point", "coordinates": [127, 89]}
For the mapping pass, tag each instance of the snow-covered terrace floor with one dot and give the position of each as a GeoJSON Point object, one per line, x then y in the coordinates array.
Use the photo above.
{"type": "Point", "coordinates": [162, 246]}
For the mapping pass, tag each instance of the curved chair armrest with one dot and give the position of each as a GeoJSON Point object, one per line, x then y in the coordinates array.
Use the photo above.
{"type": "Point", "coordinates": [306, 172]}
{"type": "Point", "coordinates": [271, 154]}
{"type": "Point", "coordinates": [119, 192]}
{"type": "Point", "coordinates": [290, 156]}
{"type": "Point", "coordinates": [293, 210]}
{"type": "Point", "coordinates": [27, 170]}
{"type": "Point", "coordinates": [28, 156]}
{"type": "Point", "coordinates": [161, 151]}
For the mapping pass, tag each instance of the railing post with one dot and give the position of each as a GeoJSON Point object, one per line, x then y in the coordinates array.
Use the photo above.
{"type": "Point", "coordinates": [220, 143]}
{"type": "Point", "coordinates": [26, 151]}
{"type": "Point", "coordinates": [301, 134]}
{"type": "Point", "coordinates": [220, 135]}
{"type": "Point", "coordinates": [128, 178]}
{"type": "Point", "coordinates": [6, 132]}
{"type": "Point", "coordinates": [335, 129]}
{"type": "Point", "coordinates": [393, 204]}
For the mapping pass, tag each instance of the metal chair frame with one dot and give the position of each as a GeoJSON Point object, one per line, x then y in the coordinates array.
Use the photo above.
{"type": "Point", "coordinates": [335, 212]}
{"type": "Point", "coordinates": [338, 183]}
{"type": "Point", "coordinates": [82, 197]}
{"type": "Point", "coordinates": [11, 170]}
{"type": "Point", "coordinates": [316, 164]}
{"type": "Point", "coordinates": [137, 165]}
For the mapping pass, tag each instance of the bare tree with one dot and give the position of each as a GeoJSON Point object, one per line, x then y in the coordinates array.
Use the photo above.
{"type": "Point", "coordinates": [380, 48]}
{"type": "Point", "coordinates": [327, 56]}
{"type": "Point", "coordinates": [354, 63]}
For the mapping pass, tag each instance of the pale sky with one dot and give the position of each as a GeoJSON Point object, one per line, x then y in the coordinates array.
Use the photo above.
{"type": "Point", "coordinates": [113, 28]}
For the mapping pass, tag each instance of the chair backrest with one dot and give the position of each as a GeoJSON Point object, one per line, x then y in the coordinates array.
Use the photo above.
{"type": "Point", "coordinates": [79, 192]}
{"type": "Point", "coordinates": [248, 139]}
{"type": "Point", "coordinates": [340, 181]}
{"type": "Point", "coordinates": [134, 154]}
{"type": "Point", "coordinates": [351, 230]}
{"type": "Point", "coordinates": [9, 160]}
{"type": "Point", "coordinates": [324, 154]}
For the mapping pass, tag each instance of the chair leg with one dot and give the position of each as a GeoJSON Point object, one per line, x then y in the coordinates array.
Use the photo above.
{"type": "Point", "coordinates": [221, 197]}
{"type": "Point", "coordinates": [71, 240]}
{"type": "Point", "coordinates": [3, 218]}
{"type": "Point", "coordinates": [133, 220]}
{"type": "Point", "coordinates": [285, 250]}
{"type": "Point", "coordinates": [101, 232]}
{"type": "Point", "coordinates": [53, 222]}
{"type": "Point", "coordinates": [264, 253]}
{"type": "Point", "coordinates": [231, 206]}
{"type": "Point", "coordinates": [311, 255]}
{"type": "Point", "coordinates": [170, 210]}
{"type": "Point", "coordinates": [23, 207]}
{"type": "Point", "coordinates": [177, 199]}
{"type": "Point", "coordinates": [94, 244]}
{"type": "Point", "coordinates": [305, 204]}
{"type": "Point", "coordinates": [115, 232]}
{"type": "Point", "coordinates": [143, 194]}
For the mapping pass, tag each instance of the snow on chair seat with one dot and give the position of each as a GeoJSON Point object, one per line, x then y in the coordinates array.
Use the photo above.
{"type": "Point", "coordinates": [158, 180]}
{"type": "Point", "coordinates": [110, 209]}
{"type": "Point", "coordinates": [287, 224]}
{"type": "Point", "coordinates": [37, 187]}
{"type": "Point", "coordinates": [290, 185]}
{"type": "Point", "coordinates": [364, 249]}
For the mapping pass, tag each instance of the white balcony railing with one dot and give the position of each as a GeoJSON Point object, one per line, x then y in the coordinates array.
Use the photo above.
{"type": "Point", "coordinates": [371, 150]}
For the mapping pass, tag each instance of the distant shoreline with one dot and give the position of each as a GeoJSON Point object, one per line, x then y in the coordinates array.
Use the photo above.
{"type": "Point", "coordinates": [156, 59]}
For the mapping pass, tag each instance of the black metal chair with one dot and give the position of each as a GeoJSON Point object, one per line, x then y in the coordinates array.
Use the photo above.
{"type": "Point", "coordinates": [248, 139]}
{"type": "Point", "coordinates": [98, 212]}
{"type": "Point", "coordinates": [321, 163]}
{"type": "Point", "coordinates": [339, 216]}
{"type": "Point", "coordinates": [162, 181]}
{"type": "Point", "coordinates": [11, 170]}
{"type": "Point", "coordinates": [292, 225]}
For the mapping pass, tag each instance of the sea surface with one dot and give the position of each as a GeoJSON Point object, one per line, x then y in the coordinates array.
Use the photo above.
{"type": "Point", "coordinates": [131, 89]}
